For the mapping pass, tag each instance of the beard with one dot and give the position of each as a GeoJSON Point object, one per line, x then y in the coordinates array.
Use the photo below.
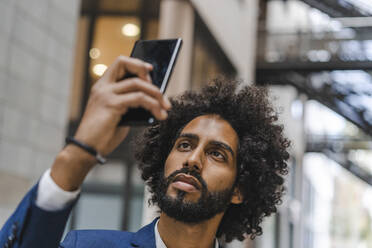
{"type": "Point", "coordinates": [207, 206]}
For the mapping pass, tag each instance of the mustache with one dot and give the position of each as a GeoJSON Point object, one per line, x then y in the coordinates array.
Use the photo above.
{"type": "Point", "coordinates": [186, 170]}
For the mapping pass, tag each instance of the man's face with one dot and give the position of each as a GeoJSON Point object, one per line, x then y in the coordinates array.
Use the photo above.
{"type": "Point", "coordinates": [200, 170]}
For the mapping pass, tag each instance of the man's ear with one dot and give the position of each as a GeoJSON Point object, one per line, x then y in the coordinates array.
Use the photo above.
{"type": "Point", "coordinates": [237, 196]}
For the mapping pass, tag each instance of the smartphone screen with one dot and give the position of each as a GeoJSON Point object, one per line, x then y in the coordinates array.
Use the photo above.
{"type": "Point", "coordinates": [162, 54]}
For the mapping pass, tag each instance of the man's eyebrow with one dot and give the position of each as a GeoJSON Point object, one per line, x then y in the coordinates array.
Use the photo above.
{"type": "Point", "coordinates": [213, 142]}
{"type": "Point", "coordinates": [223, 145]}
{"type": "Point", "coordinates": [189, 135]}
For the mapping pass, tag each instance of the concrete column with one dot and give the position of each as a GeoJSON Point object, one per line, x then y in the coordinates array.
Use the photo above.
{"type": "Point", "coordinates": [177, 21]}
{"type": "Point", "coordinates": [250, 39]}
{"type": "Point", "coordinates": [234, 26]}
{"type": "Point", "coordinates": [36, 46]}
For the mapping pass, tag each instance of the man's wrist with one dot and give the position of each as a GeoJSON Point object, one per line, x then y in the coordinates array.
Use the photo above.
{"type": "Point", "coordinates": [87, 148]}
{"type": "Point", "coordinates": [74, 154]}
{"type": "Point", "coordinates": [71, 166]}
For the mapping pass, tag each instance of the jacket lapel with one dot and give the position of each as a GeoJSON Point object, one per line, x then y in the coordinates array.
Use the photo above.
{"type": "Point", "coordinates": [145, 237]}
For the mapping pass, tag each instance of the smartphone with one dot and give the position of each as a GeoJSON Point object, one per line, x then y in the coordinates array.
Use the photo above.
{"type": "Point", "coordinates": [162, 54]}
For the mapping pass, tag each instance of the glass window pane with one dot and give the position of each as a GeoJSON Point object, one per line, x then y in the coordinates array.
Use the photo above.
{"type": "Point", "coordinates": [113, 173]}
{"type": "Point", "coordinates": [340, 214]}
{"type": "Point", "coordinates": [135, 216]}
{"type": "Point", "coordinates": [98, 211]}
{"type": "Point", "coordinates": [113, 36]}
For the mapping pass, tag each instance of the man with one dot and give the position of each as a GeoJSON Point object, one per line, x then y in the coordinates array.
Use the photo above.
{"type": "Point", "coordinates": [214, 163]}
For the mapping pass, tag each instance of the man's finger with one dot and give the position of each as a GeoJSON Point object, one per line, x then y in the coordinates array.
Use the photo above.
{"type": "Point", "coordinates": [140, 99]}
{"type": "Point", "coordinates": [123, 65]}
{"type": "Point", "coordinates": [136, 84]}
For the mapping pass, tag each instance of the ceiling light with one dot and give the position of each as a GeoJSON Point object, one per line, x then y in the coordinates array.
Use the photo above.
{"type": "Point", "coordinates": [94, 53]}
{"type": "Point", "coordinates": [99, 69]}
{"type": "Point", "coordinates": [130, 30]}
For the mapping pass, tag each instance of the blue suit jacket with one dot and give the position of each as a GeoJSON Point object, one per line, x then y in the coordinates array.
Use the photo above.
{"type": "Point", "coordinates": [32, 227]}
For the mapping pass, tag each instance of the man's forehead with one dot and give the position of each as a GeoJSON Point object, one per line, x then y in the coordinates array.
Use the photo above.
{"type": "Point", "coordinates": [211, 127]}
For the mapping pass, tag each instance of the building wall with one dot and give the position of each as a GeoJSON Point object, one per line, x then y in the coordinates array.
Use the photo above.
{"type": "Point", "coordinates": [234, 25]}
{"type": "Point", "coordinates": [36, 60]}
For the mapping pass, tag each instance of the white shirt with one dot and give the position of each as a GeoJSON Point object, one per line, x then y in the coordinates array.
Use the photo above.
{"type": "Point", "coordinates": [51, 197]}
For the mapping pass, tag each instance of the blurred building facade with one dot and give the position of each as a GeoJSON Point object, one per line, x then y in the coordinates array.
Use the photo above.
{"type": "Point", "coordinates": [304, 51]}
{"type": "Point", "coordinates": [321, 49]}
{"type": "Point", "coordinates": [36, 63]}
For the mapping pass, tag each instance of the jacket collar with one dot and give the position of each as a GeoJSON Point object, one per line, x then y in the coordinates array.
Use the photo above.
{"type": "Point", "coordinates": [145, 237]}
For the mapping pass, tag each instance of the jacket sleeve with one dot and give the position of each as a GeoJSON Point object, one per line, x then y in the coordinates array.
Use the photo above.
{"type": "Point", "coordinates": [31, 227]}
{"type": "Point", "coordinates": [70, 240]}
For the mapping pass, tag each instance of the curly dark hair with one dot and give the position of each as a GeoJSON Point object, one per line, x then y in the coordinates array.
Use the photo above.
{"type": "Point", "coordinates": [261, 157]}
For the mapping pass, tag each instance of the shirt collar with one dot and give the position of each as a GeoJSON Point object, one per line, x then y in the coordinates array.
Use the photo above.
{"type": "Point", "coordinates": [160, 243]}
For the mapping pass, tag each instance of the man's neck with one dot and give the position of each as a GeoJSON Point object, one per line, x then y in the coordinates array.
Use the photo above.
{"type": "Point", "coordinates": [181, 235]}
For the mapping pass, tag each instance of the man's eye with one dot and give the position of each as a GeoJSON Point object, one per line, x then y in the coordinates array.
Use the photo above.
{"type": "Point", "coordinates": [217, 154]}
{"type": "Point", "coordinates": [183, 145]}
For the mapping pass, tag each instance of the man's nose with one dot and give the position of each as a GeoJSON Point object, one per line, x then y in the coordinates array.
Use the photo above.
{"type": "Point", "coordinates": [195, 160]}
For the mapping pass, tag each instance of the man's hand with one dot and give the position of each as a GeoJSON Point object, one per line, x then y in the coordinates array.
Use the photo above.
{"type": "Point", "coordinates": [110, 98]}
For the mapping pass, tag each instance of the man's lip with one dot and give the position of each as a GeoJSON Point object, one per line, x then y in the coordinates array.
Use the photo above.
{"type": "Point", "coordinates": [188, 179]}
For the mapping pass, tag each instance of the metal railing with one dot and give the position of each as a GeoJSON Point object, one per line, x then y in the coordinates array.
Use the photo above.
{"type": "Point", "coordinates": [347, 45]}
